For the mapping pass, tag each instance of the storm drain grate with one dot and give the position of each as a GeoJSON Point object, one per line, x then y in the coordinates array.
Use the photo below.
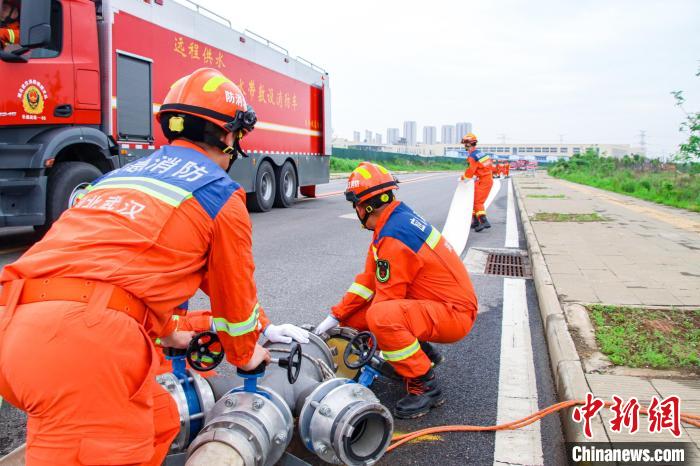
{"type": "Point", "coordinates": [508, 265]}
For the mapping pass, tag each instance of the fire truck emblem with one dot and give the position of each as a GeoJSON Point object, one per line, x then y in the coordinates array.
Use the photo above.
{"type": "Point", "coordinates": [33, 96]}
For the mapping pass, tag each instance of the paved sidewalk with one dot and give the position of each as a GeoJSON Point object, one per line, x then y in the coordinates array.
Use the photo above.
{"type": "Point", "coordinates": [644, 254]}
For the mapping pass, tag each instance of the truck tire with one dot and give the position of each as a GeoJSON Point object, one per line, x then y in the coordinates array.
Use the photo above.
{"type": "Point", "coordinates": [286, 185]}
{"type": "Point", "coordinates": [264, 196]}
{"type": "Point", "coordinates": [64, 178]}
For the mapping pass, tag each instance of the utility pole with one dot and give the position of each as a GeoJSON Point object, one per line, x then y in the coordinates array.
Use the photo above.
{"type": "Point", "coordinates": [642, 142]}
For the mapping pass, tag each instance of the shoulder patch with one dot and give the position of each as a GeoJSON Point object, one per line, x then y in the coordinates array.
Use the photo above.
{"type": "Point", "coordinates": [383, 270]}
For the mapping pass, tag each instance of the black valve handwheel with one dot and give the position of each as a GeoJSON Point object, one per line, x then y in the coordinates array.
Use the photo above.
{"type": "Point", "coordinates": [363, 345]}
{"type": "Point", "coordinates": [205, 351]}
{"type": "Point", "coordinates": [292, 363]}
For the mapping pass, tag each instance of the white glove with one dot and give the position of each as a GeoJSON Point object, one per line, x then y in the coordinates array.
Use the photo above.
{"type": "Point", "coordinates": [285, 333]}
{"type": "Point", "coordinates": [327, 324]}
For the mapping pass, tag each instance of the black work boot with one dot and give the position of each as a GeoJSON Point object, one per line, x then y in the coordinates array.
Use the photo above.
{"type": "Point", "coordinates": [483, 223]}
{"type": "Point", "coordinates": [423, 394]}
{"type": "Point", "coordinates": [432, 352]}
{"type": "Point", "coordinates": [475, 222]}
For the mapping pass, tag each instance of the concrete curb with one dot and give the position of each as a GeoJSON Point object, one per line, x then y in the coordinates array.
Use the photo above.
{"type": "Point", "coordinates": [567, 369]}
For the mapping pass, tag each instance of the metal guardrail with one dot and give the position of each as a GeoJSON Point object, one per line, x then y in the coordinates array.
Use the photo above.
{"type": "Point", "coordinates": [265, 41]}
{"type": "Point", "coordinates": [316, 67]}
{"type": "Point", "coordinates": [205, 12]}
{"type": "Point", "coordinates": [247, 32]}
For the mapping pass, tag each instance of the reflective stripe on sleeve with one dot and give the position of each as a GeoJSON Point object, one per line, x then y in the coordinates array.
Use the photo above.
{"type": "Point", "coordinates": [403, 353]}
{"type": "Point", "coordinates": [165, 192]}
{"type": "Point", "coordinates": [361, 291]}
{"type": "Point", "coordinates": [236, 329]}
{"type": "Point", "coordinates": [433, 239]}
{"type": "Point", "coordinates": [11, 33]}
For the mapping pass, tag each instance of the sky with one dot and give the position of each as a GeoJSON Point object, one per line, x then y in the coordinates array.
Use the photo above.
{"type": "Point", "coordinates": [586, 71]}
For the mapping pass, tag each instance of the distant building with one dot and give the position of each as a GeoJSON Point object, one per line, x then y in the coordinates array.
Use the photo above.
{"type": "Point", "coordinates": [392, 135]}
{"type": "Point", "coordinates": [447, 135]}
{"type": "Point", "coordinates": [542, 152]}
{"type": "Point", "coordinates": [410, 132]}
{"type": "Point", "coordinates": [429, 135]}
{"type": "Point", "coordinates": [355, 136]}
{"type": "Point", "coordinates": [461, 130]}
{"type": "Point", "coordinates": [377, 138]}
{"type": "Point", "coordinates": [368, 137]}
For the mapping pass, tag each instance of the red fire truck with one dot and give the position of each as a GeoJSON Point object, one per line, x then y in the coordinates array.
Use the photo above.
{"type": "Point", "coordinates": [78, 96]}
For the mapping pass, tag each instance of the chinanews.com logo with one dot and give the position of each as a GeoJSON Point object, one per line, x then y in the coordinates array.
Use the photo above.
{"type": "Point", "coordinates": [33, 96]}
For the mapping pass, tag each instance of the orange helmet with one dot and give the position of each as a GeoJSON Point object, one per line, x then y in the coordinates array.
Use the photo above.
{"type": "Point", "coordinates": [469, 138]}
{"type": "Point", "coordinates": [208, 96]}
{"type": "Point", "coordinates": [367, 181]}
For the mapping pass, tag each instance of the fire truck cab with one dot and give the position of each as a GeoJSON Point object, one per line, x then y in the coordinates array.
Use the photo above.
{"type": "Point", "coordinates": [80, 90]}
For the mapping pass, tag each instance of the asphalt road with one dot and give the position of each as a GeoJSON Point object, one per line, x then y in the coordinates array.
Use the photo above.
{"type": "Point", "coordinates": [307, 256]}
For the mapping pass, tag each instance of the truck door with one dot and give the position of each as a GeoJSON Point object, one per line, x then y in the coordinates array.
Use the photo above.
{"type": "Point", "coordinates": [40, 91]}
{"type": "Point", "coordinates": [134, 105]}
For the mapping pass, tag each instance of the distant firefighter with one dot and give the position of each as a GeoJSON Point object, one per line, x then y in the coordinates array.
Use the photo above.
{"type": "Point", "coordinates": [480, 165]}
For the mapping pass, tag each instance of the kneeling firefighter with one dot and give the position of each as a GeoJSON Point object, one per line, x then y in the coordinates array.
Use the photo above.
{"type": "Point", "coordinates": [414, 289]}
{"type": "Point", "coordinates": [83, 305]}
{"type": "Point", "coordinates": [480, 165]}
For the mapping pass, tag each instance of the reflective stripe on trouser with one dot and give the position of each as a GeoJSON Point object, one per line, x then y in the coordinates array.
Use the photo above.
{"type": "Point", "coordinates": [481, 193]}
{"type": "Point", "coordinates": [401, 324]}
{"type": "Point", "coordinates": [87, 399]}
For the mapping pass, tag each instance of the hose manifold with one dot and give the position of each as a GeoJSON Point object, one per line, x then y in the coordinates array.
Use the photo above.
{"type": "Point", "coordinates": [344, 423]}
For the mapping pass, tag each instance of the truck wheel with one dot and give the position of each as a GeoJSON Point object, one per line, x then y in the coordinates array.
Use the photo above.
{"type": "Point", "coordinates": [66, 177]}
{"type": "Point", "coordinates": [264, 196]}
{"type": "Point", "coordinates": [286, 186]}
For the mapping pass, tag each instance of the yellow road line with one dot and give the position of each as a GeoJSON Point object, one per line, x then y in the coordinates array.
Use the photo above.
{"type": "Point", "coordinates": [424, 438]}
{"type": "Point", "coordinates": [657, 214]}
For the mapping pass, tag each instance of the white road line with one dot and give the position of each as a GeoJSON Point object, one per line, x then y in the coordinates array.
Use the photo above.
{"type": "Point", "coordinates": [512, 239]}
{"type": "Point", "coordinates": [517, 385]}
{"type": "Point", "coordinates": [348, 216]}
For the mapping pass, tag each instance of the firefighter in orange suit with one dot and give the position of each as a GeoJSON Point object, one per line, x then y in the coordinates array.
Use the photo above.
{"type": "Point", "coordinates": [9, 23]}
{"type": "Point", "coordinates": [82, 305]}
{"type": "Point", "coordinates": [506, 169]}
{"type": "Point", "coordinates": [496, 170]}
{"type": "Point", "coordinates": [414, 289]}
{"type": "Point", "coordinates": [480, 165]}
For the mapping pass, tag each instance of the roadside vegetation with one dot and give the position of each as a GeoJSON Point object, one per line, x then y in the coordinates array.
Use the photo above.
{"type": "Point", "coordinates": [658, 339]}
{"type": "Point", "coordinates": [559, 217]}
{"type": "Point", "coordinates": [346, 160]}
{"type": "Point", "coordinates": [677, 185]}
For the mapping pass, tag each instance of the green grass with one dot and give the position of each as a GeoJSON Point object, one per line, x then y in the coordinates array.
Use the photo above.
{"type": "Point", "coordinates": [637, 177]}
{"type": "Point", "coordinates": [546, 196]}
{"type": "Point", "coordinates": [636, 337]}
{"type": "Point", "coordinates": [339, 165]}
{"type": "Point", "coordinates": [559, 217]}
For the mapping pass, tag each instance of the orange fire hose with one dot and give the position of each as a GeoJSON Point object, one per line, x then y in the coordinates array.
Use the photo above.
{"type": "Point", "coordinates": [399, 440]}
